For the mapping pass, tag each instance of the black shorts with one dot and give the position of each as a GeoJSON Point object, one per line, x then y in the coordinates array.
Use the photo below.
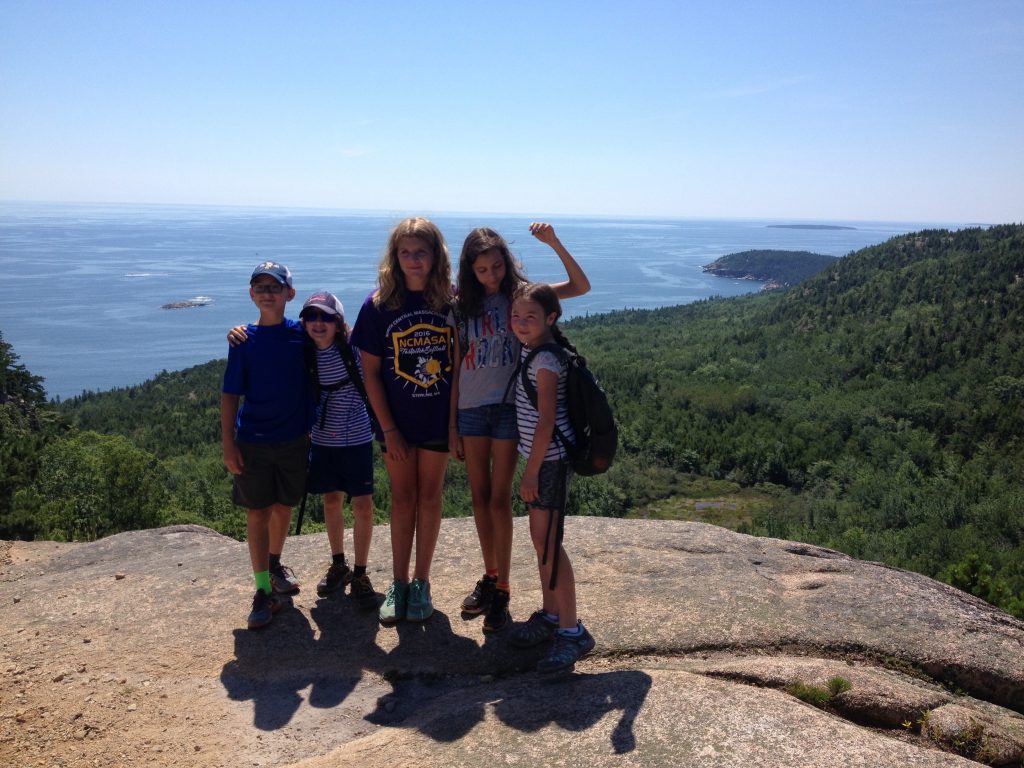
{"type": "Point", "coordinates": [552, 486]}
{"type": "Point", "coordinates": [272, 473]}
{"type": "Point", "coordinates": [348, 469]}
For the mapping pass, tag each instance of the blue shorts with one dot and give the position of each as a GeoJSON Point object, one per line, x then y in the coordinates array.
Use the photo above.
{"type": "Point", "coordinates": [348, 469]}
{"type": "Point", "coordinates": [497, 422]}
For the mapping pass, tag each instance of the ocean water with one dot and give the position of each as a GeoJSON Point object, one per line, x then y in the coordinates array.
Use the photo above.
{"type": "Point", "coordinates": [87, 284]}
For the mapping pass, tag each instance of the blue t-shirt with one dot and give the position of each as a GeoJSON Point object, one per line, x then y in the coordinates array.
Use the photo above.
{"type": "Point", "coordinates": [414, 344]}
{"type": "Point", "coordinates": [268, 371]}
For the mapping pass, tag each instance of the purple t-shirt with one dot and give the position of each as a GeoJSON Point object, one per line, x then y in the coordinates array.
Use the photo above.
{"type": "Point", "coordinates": [414, 344]}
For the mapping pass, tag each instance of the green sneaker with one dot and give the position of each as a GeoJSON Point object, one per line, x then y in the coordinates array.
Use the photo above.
{"type": "Point", "coordinates": [393, 608]}
{"type": "Point", "coordinates": [420, 607]}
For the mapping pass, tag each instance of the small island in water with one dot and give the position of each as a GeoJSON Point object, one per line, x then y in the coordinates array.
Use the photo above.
{"type": "Point", "coordinates": [777, 268]}
{"type": "Point", "coordinates": [195, 301]}
{"type": "Point", "coordinates": [807, 226]}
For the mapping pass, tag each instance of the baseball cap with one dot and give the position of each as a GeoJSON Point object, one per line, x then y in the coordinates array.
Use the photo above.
{"type": "Point", "coordinates": [277, 271]}
{"type": "Point", "coordinates": [326, 301]}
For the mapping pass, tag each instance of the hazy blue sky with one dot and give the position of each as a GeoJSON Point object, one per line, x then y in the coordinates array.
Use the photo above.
{"type": "Point", "coordinates": [892, 110]}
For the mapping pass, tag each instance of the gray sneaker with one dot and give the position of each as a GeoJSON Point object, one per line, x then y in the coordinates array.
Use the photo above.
{"type": "Point", "coordinates": [393, 609]}
{"type": "Point", "coordinates": [283, 580]}
{"type": "Point", "coordinates": [536, 630]}
{"type": "Point", "coordinates": [420, 606]}
{"type": "Point", "coordinates": [566, 650]}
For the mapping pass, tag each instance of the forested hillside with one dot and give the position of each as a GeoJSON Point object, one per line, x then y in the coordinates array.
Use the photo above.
{"type": "Point", "coordinates": [876, 408]}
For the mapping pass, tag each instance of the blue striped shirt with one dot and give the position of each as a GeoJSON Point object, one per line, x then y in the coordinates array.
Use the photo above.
{"type": "Point", "coordinates": [341, 418]}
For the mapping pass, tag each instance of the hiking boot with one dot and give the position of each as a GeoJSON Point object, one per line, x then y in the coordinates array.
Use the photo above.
{"type": "Point", "coordinates": [476, 602]}
{"type": "Point", "coordinates": [565, 651]}
{"type": "Point", "coordinates": [393, 608]}
{"type": "Point", "coordinates": [362, 591]}
{"type": "Point", "coordinates": [283, 580]}
{"type": "Point", "coordinates": [497, 617]}
{"type": "Point", "coordinates": [536, 630]}
{"type": "Point", "coordinates": [420, 607]}
{"type": "Point", "coordinates": [338, 575]}
{"type": "Point", "coordinates": [264, 606]}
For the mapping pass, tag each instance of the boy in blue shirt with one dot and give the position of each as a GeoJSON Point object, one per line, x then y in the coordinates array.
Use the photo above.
{"type": "Point", "coordinates": [266, 411]}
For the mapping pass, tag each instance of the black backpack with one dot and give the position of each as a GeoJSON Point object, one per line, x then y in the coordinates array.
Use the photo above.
{"type": "Point", "coordinates": [589, 413]}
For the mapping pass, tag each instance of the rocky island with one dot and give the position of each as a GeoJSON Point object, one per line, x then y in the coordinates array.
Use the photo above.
{"type": "Point", "coordinates": [777, 268]}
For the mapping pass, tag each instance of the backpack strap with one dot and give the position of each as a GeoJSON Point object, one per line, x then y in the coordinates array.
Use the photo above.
{"type": "Point", "coordinates": [349, 359]}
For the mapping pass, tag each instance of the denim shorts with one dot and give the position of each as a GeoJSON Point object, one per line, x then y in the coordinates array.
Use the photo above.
{"type": "Point", "coordinates": [348, 469]}
{"type": "Point", "coordinates": [497, 422]}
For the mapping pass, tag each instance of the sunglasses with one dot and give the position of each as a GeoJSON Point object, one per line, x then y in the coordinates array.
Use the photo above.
{"type": "Point", "coordinates": [267, 288]}
{"type": "Point", "coordinates": [318, 317]}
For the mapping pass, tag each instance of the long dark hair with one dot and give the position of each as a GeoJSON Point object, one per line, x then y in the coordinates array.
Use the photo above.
{"type": "Point", "coordinates": [544, 295]}
{"type": "Point", "coordinates": [470, 300]}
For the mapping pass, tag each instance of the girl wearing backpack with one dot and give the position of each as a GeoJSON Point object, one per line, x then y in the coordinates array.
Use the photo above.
{"type": "Point", "coordinates": [341, 451]}
{"type": "Point", "coordinates": [545, 481]}
{"type": "Point", "coordinates": [482, 427]}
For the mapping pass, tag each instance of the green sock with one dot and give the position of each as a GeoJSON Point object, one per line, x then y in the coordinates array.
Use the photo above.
{"type": "Point", "coordinates": [263, 581]}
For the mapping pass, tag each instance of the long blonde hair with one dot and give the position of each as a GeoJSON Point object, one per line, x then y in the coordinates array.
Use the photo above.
{"type": "Point", "coordinates": [391, 287]}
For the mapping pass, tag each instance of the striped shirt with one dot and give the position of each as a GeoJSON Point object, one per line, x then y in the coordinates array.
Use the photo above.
{"type": "Point", "coordinates": [527, 416]}
{"type": "Point", "coordinates": [341, 418]}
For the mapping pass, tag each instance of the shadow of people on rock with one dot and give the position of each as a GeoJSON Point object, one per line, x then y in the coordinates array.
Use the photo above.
{"type": "Point", "coordinates": [578, 702]}
{"type": "Point", "coordinates": [346, 647]}
{"type": "Point", "coordinates": [271, 666]}
{"type": "Point", "coordinates": [419, 668]}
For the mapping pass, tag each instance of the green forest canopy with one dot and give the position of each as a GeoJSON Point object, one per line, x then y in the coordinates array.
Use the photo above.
{"type": "Point", "coordinates": [876, 408]}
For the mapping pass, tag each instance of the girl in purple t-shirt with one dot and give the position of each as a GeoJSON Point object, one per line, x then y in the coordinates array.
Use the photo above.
{"type": "Point", "coordinates": [405, 343]}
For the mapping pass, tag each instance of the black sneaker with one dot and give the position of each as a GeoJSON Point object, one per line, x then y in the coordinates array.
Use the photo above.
{"type": "Point", "coordinates": [362, 592]}
{"type": "Point", "coordinates": [264, 607]}
{"type": "Point", "coordinates": [534, 631]}
{"type": "Point", "coordinates": [283, 580]}
{"type": "Point", "coordinates": [476, 602]}
{"type": "Point", "coordinates": [497, 617]}
{"type": "Point", "coordinates": [338, 575]}
{"type": "Point", "coordinates": [565, 651]}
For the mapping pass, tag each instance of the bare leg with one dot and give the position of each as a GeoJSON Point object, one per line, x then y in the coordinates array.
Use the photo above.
{"type": "Point", "coordinates": [280, 523]}
{"type": "Point", "coordinates": [562, 599]}
{"type": "Point", "coordinates": [362, 530]}
{"type": "Point", "coordinates": [500, 506]}
{"type": "Point", "coordinates": [334, 519]}
{"type": "Point", "coordinates": [403, 478]}
{"type": "Point", "coordinates": [430, 482]}
{"type": "Point", "coordinates": [478, 471]}
{"type": "Point", "coordinates": [257, 534]}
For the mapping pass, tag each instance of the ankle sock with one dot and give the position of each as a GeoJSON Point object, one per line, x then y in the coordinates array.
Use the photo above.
{"type": "Point", "coordinates": [574, 632]}
{"type": "Point", "coordinates": [359, 570]}
{"type": "Point", "coordinates": [338, 559]}
{"type": "Point", "coordinates": [503, 586]}
{"type": "Point", "coordinates": [263, 581]}
{"type": "Point", "coordinates": [275, 560]}
{"type": "Point", "coordinates": [552, 617]}
{"type": "Point", "coordinates": [491, 575]}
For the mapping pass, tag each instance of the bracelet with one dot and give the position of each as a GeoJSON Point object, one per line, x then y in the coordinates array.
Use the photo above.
{"type": "Point", "coordinates": [385, 431]}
